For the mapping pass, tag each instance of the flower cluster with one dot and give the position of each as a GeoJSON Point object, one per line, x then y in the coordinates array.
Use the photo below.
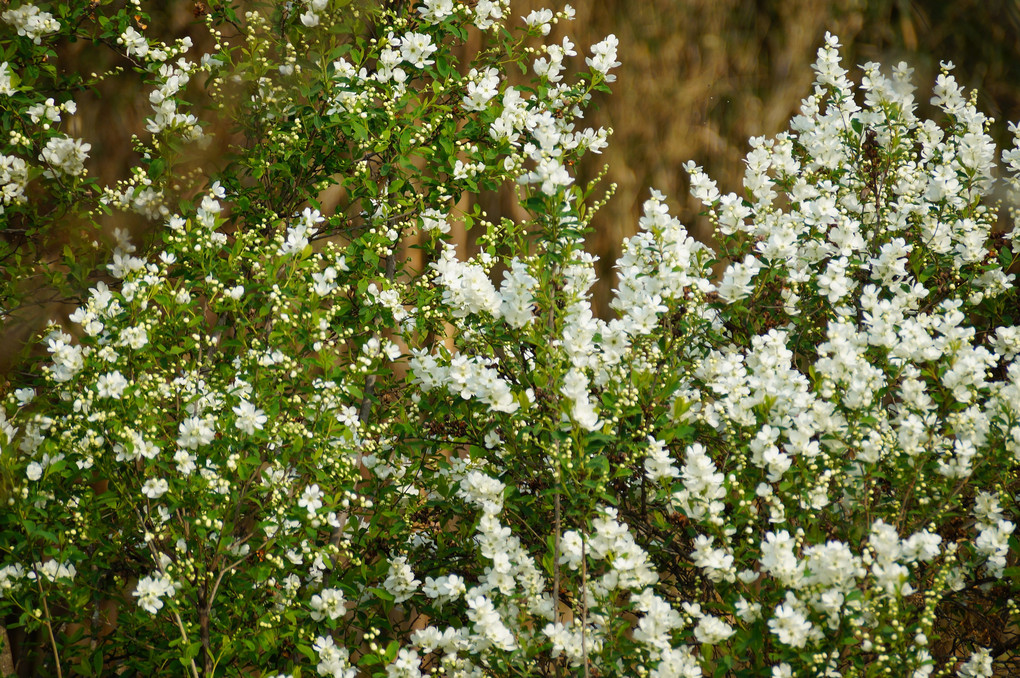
{"type": "Point", "coordinates": [31, 22]}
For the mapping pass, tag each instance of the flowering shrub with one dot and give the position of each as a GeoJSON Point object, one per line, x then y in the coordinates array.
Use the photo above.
{"type": "Point", "coordinates": [302, 433]}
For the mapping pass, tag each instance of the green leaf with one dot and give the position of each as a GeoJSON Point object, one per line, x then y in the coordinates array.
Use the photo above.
{"type": "Point", "coordinates": [383, 594]}
{"type": "Point", "coordinates": [307, 651]}
{"type": "Point", "coordinates": [599, 463]}
{"type": "Point", "coordinates": [191, 652]}
{"type": "Point", "coordinates": [1005, 257]}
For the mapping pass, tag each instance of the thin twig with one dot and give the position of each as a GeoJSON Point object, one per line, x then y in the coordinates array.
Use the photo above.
{"type": "Point", "coordinates": [556, 557]}
{"type": "Point", "coordinates": [556, 563]}
{"type": "Point", "coordinates": [584, 605]}
{"type": "Point", "coordinates": [173, 611]}
{"type": "Point", "coordinates": [49, 626]}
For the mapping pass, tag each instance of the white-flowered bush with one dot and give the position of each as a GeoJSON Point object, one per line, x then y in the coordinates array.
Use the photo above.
{"type": "Point", "coordinates": [301, 433]}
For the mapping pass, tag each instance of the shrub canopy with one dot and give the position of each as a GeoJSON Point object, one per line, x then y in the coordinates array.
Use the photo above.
{"type": "Point", "coordinates": [302, 432]}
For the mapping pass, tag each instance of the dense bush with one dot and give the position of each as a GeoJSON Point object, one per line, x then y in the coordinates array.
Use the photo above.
{"type": "Point", "coordinates": [301, 433]}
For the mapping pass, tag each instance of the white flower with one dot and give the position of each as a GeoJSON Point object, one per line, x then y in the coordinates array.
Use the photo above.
{"type": "Point", "coordinates": [406, 665]}
{"type": "Point", "coordinates": [134, 42]}
{"type": "Point", "coordinates": [185, 462]}
{"type": "Point", "coordinates": [539, 20]}
{"type": "Point", "coordinates": [30, 22]}
{"type": "Point", "coordinates": [678, 662]}
{"type": "Point", "coordinates": [778, 558]}
{"type": "Point", "coordinates": [54, 570]}
{"type": "Point", "coordinates": [703, 486]}
{"type": "Point", "coordinates": [604, 57]}
{"type": "Point", "coordinates": [324, 283]}
{"type": "Point", "coordinates": [150, 591]}
{"type": "Point", "coordinates": [400, 580]}
{"type": "Point", "coordinates": [434, 11]}
{"type": "Point", "coordinates": [328, 603]}
{"type": "Point", "coordinates": [195, 432]}
{"type": "Point", "coordinates": [134, 337]}
{"type": "Point", "coordinates": [444, 588]}
{"type": "Point", "coordinates": [658, 463]}
{"type": "Point", "coordinates": [516, 291]}
{"type": "Point", "coordinates": [655, 628]}
{"type": "Point", "coordinates": [550, 173]}
{"type": "Point", "coordinates": [154, 488]}
{"type": "Point", "coordinates": [483, 491]}
{"type": "Point", "coordinates": [249, 417]}
{"type": "Point", "coordinates": [481, 89]}
{"type": "Point", "coordinates": [712, 630]}
{"type": "Point", "coordinates": [13, 179]}
{"type": "Point", "coordinates": [485, 13]}
{"type": "Point", "coordinates": [575, 387]}
{"type": "Point", "coordinates": [717, 563]}
{"type": "Point", "coordinates": [466, 287]}
{"type": "Point", "coordinates": [10, 575]}
{"type": "Point", "coordinates": [299, 233]}
{"type": "Point", "coordinates": [6, 84]}
{"type": "Point", "coordinates": [65, 155]}
{"type": "Point", "coordinates": [46, 111]}
{"type": "Point", "coordinates": [790, 625]}
{"type": "Point", "coordinates": [489, 624]}
{"type": "Point", "coordinates": [416, 48]}
{"type": "Point", "coordinates": [111, 385]}
{"type": "Point", "coordinates": [737, 280]}
{"type": "Point", "coordinates": [434, 220]}
{"type": "Point", "coordinates": [311, 499]}
{"type": "Point", "coordinates": [333, 661]}
{"type": "Point", "coordinates": [748, 611]}
{"type": "Point", "coordinates": [135, 447]}
{"type": "Point", "coordinates": [978, 666]}
{"type": "Point", "coordinates": [783, 670]}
